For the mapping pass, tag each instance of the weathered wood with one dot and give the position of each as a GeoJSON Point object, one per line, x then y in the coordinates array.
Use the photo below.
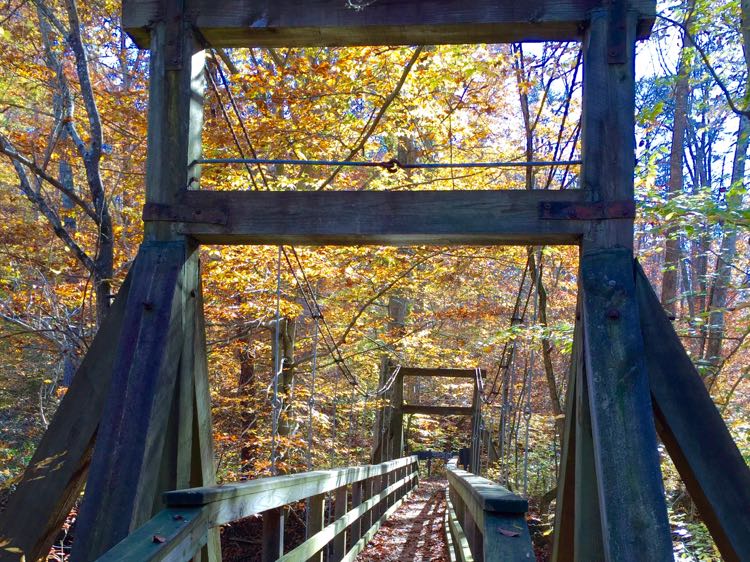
{"type": "Point", "coordinates": [242, 23]}
{"type": "Point", "coordinates": [183, 531]}
{"type": "Point", "coordinates": [396, 432]}
{"type": "Point", "coordinates": [203, 462]}
{"type": "Point", "coordinates": [340, 509]}
{"type": "Point", "coordinates": [499, 542]}
{"type": "Point", "coordinates": [440, 372]}
{"type": "Point", "coordinates": [587, 527]}
{"type": "Point", "coordinates": [286, 489]}
{"type": "Point", "coordinates": [273, 535]}
{"type": "Point", "coordinates": [563, 538]}
{"type": "Point", "coordinates": [493, 518]}
{"type": "Point", "coordinates": [57, 471]}
{"type": "Point", "coordinates": [175, 118]}
{"type": "Point", "coordinates": [325, 535]}
{"type": "Point", "coordinates": [483, 495]}
{"type": "Point", "coordinates": [455, 533]}
{"type": "Point", "coordinates": [123, 479]}
{"type": "Point", "coordinates": [437, 410]}
{"type": "Point", "coordinates": [358, 497]}
{"type": "Point", "coordinates": [693, 431]}
{"type": "Point", "coordinates": [315, 523]}
{"type": "Point", "coordinates": [351, 556]}
{"type": "Point", "coordinates": [608, 126]}
{"type": "Point", "coordinates": [371, 217]}
{"type": "Point", "coordinates": [631, 493]}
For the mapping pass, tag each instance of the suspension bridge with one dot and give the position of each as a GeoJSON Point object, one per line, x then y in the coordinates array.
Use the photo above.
{"type": "Point", "coordinates": [135, 425]}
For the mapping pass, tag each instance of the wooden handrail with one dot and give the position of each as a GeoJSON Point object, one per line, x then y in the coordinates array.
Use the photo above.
{"type": "Point", "coordinates": [487, 516]}
{"type": "Point", "coordinates": [179, 531]}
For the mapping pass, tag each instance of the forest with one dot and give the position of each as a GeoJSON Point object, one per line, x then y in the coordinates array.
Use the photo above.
{"type": "Point", "coordinates": [303, 340]}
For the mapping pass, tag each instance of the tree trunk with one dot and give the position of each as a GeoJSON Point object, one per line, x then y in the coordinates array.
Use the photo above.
{"type": "Point", "coordinates": [669, 283]}
{"type": "Point", "coordinates": [247, 389]}
{"type": "Point", "coordinates": [719, 294]}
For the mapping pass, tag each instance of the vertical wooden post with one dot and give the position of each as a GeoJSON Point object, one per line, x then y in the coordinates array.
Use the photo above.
{"type": "Point", "coordinates": [124, 477]}
{"type": "Point", "coordinates": [397, 419]}
{"type": "Point", "coordinates": [587, 533]}
{"type": "Point", "coordinates": [355, 530]}
{"type": "Point", "coordinates": [203, 463]}
{"type": "Point", "coordinates": [339, 542]}
{"type": "Point", "coordinates": [316, 520]}
{"type": "Point", "coordinates": [145, 438]}
{"type": "Point", "coordinates": [630, 489]}
{"type": "Point", "coordinates": [563, 539]}
{"type": "Point", "coordinates": [273, 535]}
{"type": "Point", "coordinates": [631, 492]}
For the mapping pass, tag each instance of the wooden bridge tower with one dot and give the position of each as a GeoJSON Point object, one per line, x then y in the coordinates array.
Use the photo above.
{"type": "Point", "coordinates": [136, 420]}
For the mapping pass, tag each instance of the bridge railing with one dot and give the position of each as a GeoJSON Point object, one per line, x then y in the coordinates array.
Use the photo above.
{"type": "Point", "coordinates": [178, 532]}
{"type": "Point", "coordinates": [486, 522]}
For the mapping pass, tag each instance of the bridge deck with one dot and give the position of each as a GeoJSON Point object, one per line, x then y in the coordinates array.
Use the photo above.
{"type": "Point", "coordinates": [415, 532]}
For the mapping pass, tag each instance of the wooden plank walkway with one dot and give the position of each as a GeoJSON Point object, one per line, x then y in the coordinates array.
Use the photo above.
{"type": "Point", "coordinates": [415, 531]}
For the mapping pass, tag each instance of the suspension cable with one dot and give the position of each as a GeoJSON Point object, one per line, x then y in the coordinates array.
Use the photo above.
{"type": "Point", "coordinates": [392, 165]}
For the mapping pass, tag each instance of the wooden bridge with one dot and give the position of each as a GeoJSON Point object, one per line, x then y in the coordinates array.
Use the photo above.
{"type": "Point", "coordinates": [136, 421]}
{"type": "Point", "coordinates": [484, 521]}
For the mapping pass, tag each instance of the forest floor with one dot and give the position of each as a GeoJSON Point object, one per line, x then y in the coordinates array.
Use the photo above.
{"type": "Point", "coordinates": [414, 533]}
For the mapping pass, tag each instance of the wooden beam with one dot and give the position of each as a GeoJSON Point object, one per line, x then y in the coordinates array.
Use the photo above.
{"type": "Point", "coordinates": [124, 475]}
{"type": "Point", "coordinates": [437, 410]}
{"type": "Point", "coordinates": [55, 476]}
{"type": "Point", "coordinates": [440, 372]}
{"type": "Point", "coordinates": [371, 217]}
{"type": "Point", "coordinates": [587, 526]}
{"type": "Point", "coordinates": [563, 538]}
{"type": "Point", "coordinates": [608, 123]}
{"type": "Point", "coordinates": [175, 118]}
{"type": "Point", "coordinates": [281, 23]}
{"type": "Point", "coordinates": [631, 492]}
{"type": "Point", "coordinates": [694, 432]}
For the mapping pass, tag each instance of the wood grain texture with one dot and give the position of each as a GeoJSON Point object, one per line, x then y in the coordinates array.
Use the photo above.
{"type": "Point", "coordinates": [439, 372]}
{"type": "Point", "coordinates": [693, 431]}
{"type": "Point", "coordinates": [631, 493]}
{"type": "Point", "coordinates": [501, 546]}
{"type": "Point", "coordinates": [587, 526]}
{"type": "Point", "coordinates": [493, 518]}
{"type": "Point", "coordinates": [286, 489]}
{"type": "Point", "coordinates": [379, 217]}
{"type": "Point", "coordinates": [124, 473]}
{"type": "Point", "coordinates": [281, 23]}
{"type": "Point", "coordinates": [56, 473]}
{"type": "Point", "coordinates": [203, 472]}
{"type": "Point", "coordinates": [608, 128]}
{"type": "Point", "coordinates": [437, 410]}
{"type": "Point", "coordinates": [175, 122]}
{"type": "Point", "coordinates": [563, 538]}
{"type": "Point", "coordinates": [316, 522]}
{"type": "Point", "coordinates": [183, 531]}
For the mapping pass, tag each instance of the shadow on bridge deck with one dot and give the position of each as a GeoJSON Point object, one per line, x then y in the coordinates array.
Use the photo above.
{"type": "Point", "coordinates": [415, 532]}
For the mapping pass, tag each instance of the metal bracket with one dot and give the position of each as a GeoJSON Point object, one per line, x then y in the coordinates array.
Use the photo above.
{"type": "Point", "coordinates": [617, 32]}
{"type": "Point", "coordinates": [570, 210]}
{"type": "Point", "coordinates": [159, 212]}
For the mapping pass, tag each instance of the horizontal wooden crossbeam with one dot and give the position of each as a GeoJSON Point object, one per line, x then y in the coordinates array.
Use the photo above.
{"type": "Point", "coordinates": [504, 217]}
{"type": "Point", "coordinates": [427, 372]}
{"type": "Point", "coordinates": [289, 23]}
{"type": "Point", "coordinates": [437, 410]}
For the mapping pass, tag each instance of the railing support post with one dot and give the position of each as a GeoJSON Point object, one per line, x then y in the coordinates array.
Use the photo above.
{"type": "Point", "coordinates": [273, 534]}
{"type": "Point", "coordinates": [339, 543]}
{"type": "Point", "coordinates": [316, 520]}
